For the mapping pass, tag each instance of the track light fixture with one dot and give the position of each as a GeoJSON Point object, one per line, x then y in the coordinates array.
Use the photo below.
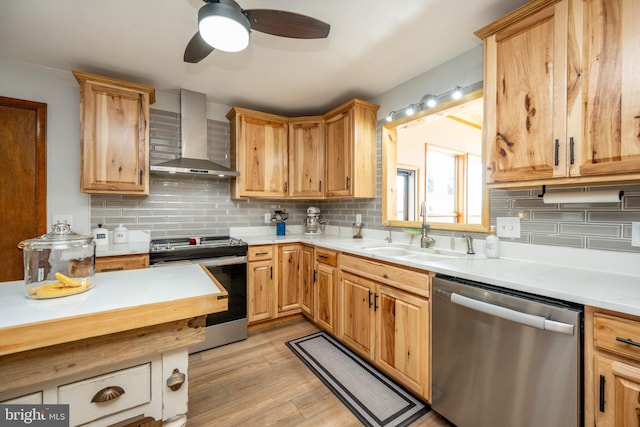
{"type": "Point", "coordinates": [430, 101]}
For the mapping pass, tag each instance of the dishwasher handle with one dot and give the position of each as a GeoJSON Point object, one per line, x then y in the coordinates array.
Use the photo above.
{"type": "Point", "coordinates": [532, 320]}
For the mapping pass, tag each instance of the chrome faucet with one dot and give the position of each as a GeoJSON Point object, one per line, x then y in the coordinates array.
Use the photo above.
{"type": "Point", "coordinates": [389, 239]}
{"type": "Point", "coordinates": [425, 241]}
{"type": "Point", "coordinates": [469, 244]}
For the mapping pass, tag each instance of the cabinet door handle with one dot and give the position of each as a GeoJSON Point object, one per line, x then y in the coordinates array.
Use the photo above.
{"type": "Point", "coordinates": [370, 302]}
{"type": "Point", "coordinates": [320, 187]}
{"type": "Point", "coordinates": [602, 380]}
{"type": "Point", "coordinates": [107, 394]}
{"type": "Point", "coordinates": [628, 341]}
{"type": "Point", "coordinates": [348, 182]}
{"type": "Point", "coordinates": [556, 160]}
{"type": "Point", "coordinates": [571, 148]}
{"type": "Point", "coordinates": [315, 274]}
{"type": "Point", "coordinates": [140, 178]}
{"type": "Point", "coordinates": [286, 186]}
{"type": "Point", "coordinates": [271, 272]}
{"type": "Point", "coordinates": [375, 302]}
{"type": "Point", "coordinates": [323, 256]}
{"type": "Point", "coordinates": [104, 270]}
{"type": "Point", "coordinates": [262, 253]}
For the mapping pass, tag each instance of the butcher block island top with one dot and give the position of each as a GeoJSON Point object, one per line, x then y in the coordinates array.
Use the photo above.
{"type": "Point", "coordinates": [120, 301]}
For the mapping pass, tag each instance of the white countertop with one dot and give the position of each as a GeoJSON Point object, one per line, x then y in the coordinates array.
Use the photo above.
{"type": "Point", "coordinates": [609, 280]}
{"type": "Point", "coordinates": [111, 291]}
{"type": "Point", "coordinates": [138, 244]}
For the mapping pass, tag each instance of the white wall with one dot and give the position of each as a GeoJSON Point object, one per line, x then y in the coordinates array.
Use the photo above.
{"type": "Point", "coordinates": [60, 91]}
{"type": "Point", "coordinates": [462, 70]}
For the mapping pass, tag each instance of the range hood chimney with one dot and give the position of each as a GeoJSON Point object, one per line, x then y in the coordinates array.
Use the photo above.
{"type": "Point", "coordinates": [194, 159]}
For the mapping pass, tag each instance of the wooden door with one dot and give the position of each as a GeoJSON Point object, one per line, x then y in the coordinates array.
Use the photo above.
{"type": "Point", "coordinates": [306, 159]}
{"type": "Point", "coordinates": [620, 404]}
{"type": "Point", "coordinates": [23, 180]}
{"type": "Point", "coordinates": [306, 280]}
{"type": "Point", "coordinates": [325, 313]}
{"type": "Point", "coordinates": [357, 323]}
{"type": "Point", "coordinates": [261, 291]}
{"type": "Point", "coordinates": [288, 278]}
{"type": "Point", "coordinates": [402, 322]}
{"type": "Point", "coordinates": [611, 134]}
{"type": "Point", "coordinates": [525, 97]}
{"type": "Point", "coordinates": [339, 154]}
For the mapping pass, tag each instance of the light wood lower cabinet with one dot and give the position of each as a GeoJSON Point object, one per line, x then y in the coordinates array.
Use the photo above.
{"type": "Point", "coordinates": [261, 286]}
{"type": "Point", "coordinates": [274, 276]}
{"type": "Point", "coordinates": [384, 323]}
{"type": "Point", "coordinates": [289, 278]}
{"type": "Point", "coordinates": [307, 280]}
{"type": "Point", "coordinates": [121, 262]}
{"type": "Point", "coordinates": [325, 314]}
{"type": "Point", "coordinates": [612, 369]}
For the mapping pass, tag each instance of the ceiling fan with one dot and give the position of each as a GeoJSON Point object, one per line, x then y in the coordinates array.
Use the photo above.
{"type": "Point", "coordinates": [224, 25]}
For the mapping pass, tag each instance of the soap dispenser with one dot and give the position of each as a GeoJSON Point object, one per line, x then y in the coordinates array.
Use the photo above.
{"type": "Point", "coordinates": [492, 249]}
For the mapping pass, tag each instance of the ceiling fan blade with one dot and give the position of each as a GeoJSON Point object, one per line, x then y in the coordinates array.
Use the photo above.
{"type": "Point", "coordinates": [197, 49]}
{"type": "Point", "coordinates": [287, 24]}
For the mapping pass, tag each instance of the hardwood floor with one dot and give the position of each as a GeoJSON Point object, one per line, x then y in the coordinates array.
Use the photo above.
{"type": "Point", "coordinates": [260, 382]}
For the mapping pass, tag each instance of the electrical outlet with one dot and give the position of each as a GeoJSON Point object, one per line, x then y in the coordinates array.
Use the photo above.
{"type": "Point", "coordinates": [635, 234]}
{"type": "Point", "coordinates": [62, 218]}
{"type": "Point", "coordinates": [508, 227]}
{"type": "Point", "coordinates": [267, 218]}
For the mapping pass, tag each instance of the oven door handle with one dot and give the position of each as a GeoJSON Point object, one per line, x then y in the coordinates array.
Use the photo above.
{"type": "Point", "coordinates": [532, 320]}
{"type": "Point", "coordinates": [218, 262]}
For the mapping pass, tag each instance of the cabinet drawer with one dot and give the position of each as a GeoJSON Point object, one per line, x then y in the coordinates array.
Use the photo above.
{"type": "Point", "coordinates": [257, 253]}
{"type": "Point", "coordinates": [121, 262]}
{"type": "Point", "coordinates": [610, 331]}
{"type": "Point", "coordinates": [326, 256]}
{"type": "Point", "coordinates": [400, 277]}
{"type": "Point", "coordinates": [135, 381]}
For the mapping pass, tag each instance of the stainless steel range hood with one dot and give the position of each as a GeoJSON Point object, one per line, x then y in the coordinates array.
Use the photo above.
{"type": "Point", "coordinates": [194, 160]}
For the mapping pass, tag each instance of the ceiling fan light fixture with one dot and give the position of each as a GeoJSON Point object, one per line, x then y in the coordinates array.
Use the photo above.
{"type": "Point", "coordinates": [224, 26]}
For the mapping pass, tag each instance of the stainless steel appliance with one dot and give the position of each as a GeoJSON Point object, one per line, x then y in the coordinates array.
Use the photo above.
{"type": "Point", "coordinates": [504, 358]}
{"type": "Point", "coordinates": [312, 224]}
{"type": "Point", "coordinates": [226, 258]}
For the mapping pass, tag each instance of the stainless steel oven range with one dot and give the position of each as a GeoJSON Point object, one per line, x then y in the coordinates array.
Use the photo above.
{"type": "Point", "coordinates": [226, 258]}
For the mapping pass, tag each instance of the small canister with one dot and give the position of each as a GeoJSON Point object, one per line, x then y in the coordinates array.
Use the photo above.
{"type": "Point", "coordinates": [120, 234]}
{"type": "Point", "coordinates": [101, 236]}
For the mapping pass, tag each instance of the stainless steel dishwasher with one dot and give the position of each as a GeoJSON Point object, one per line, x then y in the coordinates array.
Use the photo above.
{"type": "Point", "coordinates": [504, 358]}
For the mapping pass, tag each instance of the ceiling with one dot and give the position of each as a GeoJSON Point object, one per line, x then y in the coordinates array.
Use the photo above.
{"type": "Point", "coordinates": [372, 47]}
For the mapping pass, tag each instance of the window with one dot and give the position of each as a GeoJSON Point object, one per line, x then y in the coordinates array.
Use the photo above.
{"type": "Point", "coordinates": [406, 180]}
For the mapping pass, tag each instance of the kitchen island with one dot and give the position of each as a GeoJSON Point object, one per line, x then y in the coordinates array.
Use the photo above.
{"type": "Point", "coordinates": [133, 327]}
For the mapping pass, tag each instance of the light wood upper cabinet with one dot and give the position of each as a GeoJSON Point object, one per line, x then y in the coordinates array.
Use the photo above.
{"type": "Point", "coordinates": [351, 150]}
{"type": "Point", "coordinates": [559, 108]}
{"type": "Point", "coordinates": [114, 134]}
{"type": "Point", "coordinates": [306, 157]}
{"type": "Point", "coordinates": [259, 150]}
{"type": "Point", "coordinates": [316, 157]}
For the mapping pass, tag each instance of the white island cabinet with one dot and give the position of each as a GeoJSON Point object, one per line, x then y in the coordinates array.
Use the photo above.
{"type": "Point", "coordinates": [117, 353]}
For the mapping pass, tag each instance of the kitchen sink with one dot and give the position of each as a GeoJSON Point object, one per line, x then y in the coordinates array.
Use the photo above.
{"type": "Point", "coordinates": [435, 255]}
{"type": "Point", "coordinates": [388, 250]}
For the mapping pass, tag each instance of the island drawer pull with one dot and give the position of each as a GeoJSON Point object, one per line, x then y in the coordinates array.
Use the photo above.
{"type": "Point", "coordinates": [104, 270]}
{"type": "Point", "coordinates": [628, 341]}
{"type": "Point", "coordinates": [107, 394]}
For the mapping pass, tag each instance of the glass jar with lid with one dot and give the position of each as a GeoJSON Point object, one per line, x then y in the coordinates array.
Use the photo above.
{"type": "Point", "coordinates": [59, 263]}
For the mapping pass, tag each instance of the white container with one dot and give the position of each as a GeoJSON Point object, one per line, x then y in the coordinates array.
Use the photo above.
{"type": "Point", "coordinates": [101, 236]}
{"type": "Point", "coordinates": [492, 248]}
{"type": "Point", "coordinates": [120, 234]}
